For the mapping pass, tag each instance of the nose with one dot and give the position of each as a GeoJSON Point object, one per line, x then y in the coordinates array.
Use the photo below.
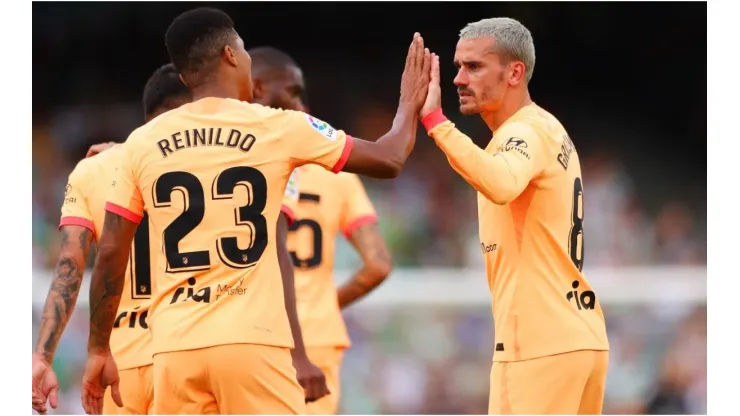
{"type": "Point", "coordinates": [461, 79]}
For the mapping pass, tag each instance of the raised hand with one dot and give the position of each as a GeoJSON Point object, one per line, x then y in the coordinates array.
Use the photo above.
{"type": "Point", "coordinates": [434, 92]}
{"type": "Point", "coordinates": [415, 78]}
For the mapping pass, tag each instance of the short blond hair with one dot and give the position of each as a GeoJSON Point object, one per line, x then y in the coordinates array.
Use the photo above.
{"type": "Point", "coordinates": [512, 39]}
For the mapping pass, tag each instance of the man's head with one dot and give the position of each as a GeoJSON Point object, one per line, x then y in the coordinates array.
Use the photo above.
{"type": "Point", "coordinates": [205, 48]}
{"type": "Point", "coordinates": [494, 56]}
{"type": "Point", "coordinates": [164, 91]}
{"type": "Point", "coordinates": [278, 81]}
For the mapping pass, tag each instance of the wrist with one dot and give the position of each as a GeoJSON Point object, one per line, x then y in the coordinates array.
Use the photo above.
{"type": "Point", "coordinates": [44, 356]}
{"type": "Point", "coordinates": [433, 118]}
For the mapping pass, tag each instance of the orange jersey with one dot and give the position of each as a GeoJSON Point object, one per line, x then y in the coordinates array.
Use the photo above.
{"type": "Point", "coordinates": [530, 212]}
{"type": "Point", "coordinates": [212, 175]}
{"type": "Point", "coordinates": [84, 203]}
{"type": "Point", "coordinates": [329, 204]}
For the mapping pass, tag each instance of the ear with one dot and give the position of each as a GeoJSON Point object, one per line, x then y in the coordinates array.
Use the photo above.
{"type": "Point", "coordinates": [230, 55]}
{"type": "Point", "coordinates": [517, 73]}
{"type": "Point", "coordinates": [258, 88]}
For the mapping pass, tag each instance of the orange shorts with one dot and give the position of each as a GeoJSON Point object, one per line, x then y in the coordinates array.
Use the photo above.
{"type": "Point", "coordinates": [570, 383]}
{"type": "Point", "coordinates": [137, 392]}
{"type": "Point", "coordinates": [227, 379]}
{"type": "Point", "coordinates": [329, 360]}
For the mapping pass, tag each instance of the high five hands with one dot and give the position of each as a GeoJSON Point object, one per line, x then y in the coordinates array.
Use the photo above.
{"type": "Point", "coordinates": [420, 81]}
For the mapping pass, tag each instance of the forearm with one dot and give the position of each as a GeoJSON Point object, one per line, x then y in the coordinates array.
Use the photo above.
{"type": "Point", "coordinates": [376, 264]}
{"type": "Point", "coordinates": [106, 287]}
{"type": "Point", "coordinates": [488, 174]}
{"type": "Point", "coordinates": [400, 140]}
{"type": "Point", "coordinates": [288, 279]}
{"type": "Point", "coordinates": [362, 282]}
{"type": "Point", "coordinates": [60, 301]}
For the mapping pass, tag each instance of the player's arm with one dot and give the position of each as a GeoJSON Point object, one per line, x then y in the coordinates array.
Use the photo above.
{"type": "Point", "coordinates": [77, 234]}
{"type": "Point", "coordinates": [124, 211]}
{"type": "Point", "coordinates": [359, 225]}
{"type": "Point", "coordinates": [501, 176]}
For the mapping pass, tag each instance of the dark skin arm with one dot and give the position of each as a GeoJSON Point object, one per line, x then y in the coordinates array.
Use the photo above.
{"type": "Point", "coordinates": [62, 297]}
{"type": "Point", "coordinates": [309, 376]}
{"type": "Point", "coordinates": [376, 264]}
{"type": "Point", "coordinates": [108, 277]}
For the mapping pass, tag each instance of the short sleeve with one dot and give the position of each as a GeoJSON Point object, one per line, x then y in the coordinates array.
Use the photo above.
{"type": "Point", "coordinates": [358, 210]}
{"type": "Point", "coordinates": [124, 196]}
{"type": "Point", "coordinates": [75, 209]}
{"type": "Point", "coordinates": [290, 197]}
{"type": "Point", "coordinates": [315, 141]}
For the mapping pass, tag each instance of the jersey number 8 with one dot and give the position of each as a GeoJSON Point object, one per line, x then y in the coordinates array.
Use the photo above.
{"type": "Point", "coordinates": [575, 239]}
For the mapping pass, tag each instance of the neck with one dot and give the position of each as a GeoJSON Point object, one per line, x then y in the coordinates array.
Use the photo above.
{"type": "Point", "coordinates": [217, 89]}
{"type": "Point", "coordinates": [512, 103]}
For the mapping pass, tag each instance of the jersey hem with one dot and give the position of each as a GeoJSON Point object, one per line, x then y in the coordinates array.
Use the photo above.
{"type": "Point", "coordinates": [359, 222]}
{"type": "Point", "coordinates": [80, 221]}
{"type": "Point", "coordinates": [123, 212]}
{"type": "Point", "coordinates": [289, 214]}
{"type": "Point", "coordinates": [348, 142]}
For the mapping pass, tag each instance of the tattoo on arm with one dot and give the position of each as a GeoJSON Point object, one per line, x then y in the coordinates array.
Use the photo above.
{"type": "Point", "coordinates": [376, 264]}
{"type": "Point", "coordinates": [108, 276]}
{"type": "Point", "coordinates": [65, 286]}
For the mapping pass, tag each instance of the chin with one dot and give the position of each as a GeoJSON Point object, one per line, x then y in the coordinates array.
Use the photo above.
{"type": "Point", "coordinates": [469, 110]}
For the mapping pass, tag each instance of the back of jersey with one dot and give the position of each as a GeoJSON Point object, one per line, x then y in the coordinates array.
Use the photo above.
{"type": "Point", "coordinates": [211, 176]}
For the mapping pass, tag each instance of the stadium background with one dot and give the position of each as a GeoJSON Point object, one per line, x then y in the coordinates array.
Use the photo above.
{"type": "Point", "coordinates": [627, 80]}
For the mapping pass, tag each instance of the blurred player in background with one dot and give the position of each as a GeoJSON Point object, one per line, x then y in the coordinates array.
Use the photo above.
{"type": "Point", "coordinates": [211, 175]}
{"type": "Point", "coordinates": [80, 225]}
{"type": "Point", "coordinates": [551, 345]}
{"type": "Point", "coordinates": [328, 204]}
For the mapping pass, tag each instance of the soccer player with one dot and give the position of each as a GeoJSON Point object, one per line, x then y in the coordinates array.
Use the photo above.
{"type": "Point", "coordinates": [211, 175]}
{"type": "Point", "coordinates": [80, 225]}
{"type": "Point", "coordinates": [551, 353]}
{"type": "Point", "coordinates": [329, 204]}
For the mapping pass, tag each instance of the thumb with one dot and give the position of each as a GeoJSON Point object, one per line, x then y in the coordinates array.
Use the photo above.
{"type": "Point", "coordinates": [434, 80]}
{"type": "Point", "coordinates": [54, 396]}
{"type": "Point", "coordinates": [116, 394]}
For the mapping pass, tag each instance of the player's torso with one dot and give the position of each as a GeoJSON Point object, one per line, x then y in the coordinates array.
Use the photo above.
{"type": "Point", "coordinates": [533, 250]}
{"type": "Point", "coordinates": [312, 246]}
{"type": "Point", "coordinates": [212, 184]}
{"type": "Point", "coordinates": [130, 339]}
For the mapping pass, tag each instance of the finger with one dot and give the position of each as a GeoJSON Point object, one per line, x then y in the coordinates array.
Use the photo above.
{"type": "Point", "coordinates": [310, 393]}
{"type": "Point", "coordinates": [410, 53]}
{"type": "Point", "coordinates": [434, 80]}
{"type": "Point", "coordinates": [90, 151]}
{"type": "Point", "coordinates": [54, 397]}
{"type": "Point", "coordinates": [426, 67]}
{"type": "Point", "coordinates": [116, 394]}
{"type": "Point", "coordinates": [418, 52]}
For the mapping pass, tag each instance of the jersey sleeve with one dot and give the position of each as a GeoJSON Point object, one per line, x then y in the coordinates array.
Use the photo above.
{"type": "Point", "coordinates": [358, 210]}
{"type": "Point", "coordinates": [290, 198]}
{"type": "Point", "coordinates": [501, 176]}
{"type": "Point", "coordinates": [315, 141]}
{"type": "Point", "coordinates": [75, 209]}
{"type": "Point", "coordinates": [124, 196]}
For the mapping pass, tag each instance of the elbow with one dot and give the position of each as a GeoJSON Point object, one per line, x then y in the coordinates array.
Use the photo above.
{"type": "Point", "coordinates": [379, 270]}
{"type": "Point", "coordinates": [391, 170]}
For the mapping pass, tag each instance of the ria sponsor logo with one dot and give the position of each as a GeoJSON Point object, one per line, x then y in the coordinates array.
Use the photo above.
{"type": "Point", "coordinates": [134, 319]}
{"type": "Point", "coordinates": [584, 300]}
